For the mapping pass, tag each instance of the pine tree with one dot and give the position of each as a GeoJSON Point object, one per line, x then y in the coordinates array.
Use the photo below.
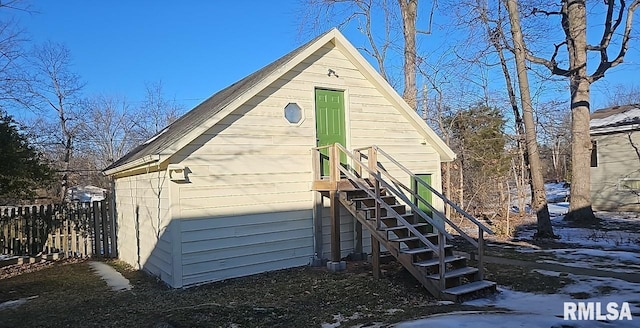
{"type": "Point", "coordinates": [22, 170]}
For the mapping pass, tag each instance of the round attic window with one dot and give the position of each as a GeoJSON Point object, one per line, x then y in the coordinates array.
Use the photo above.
{"type": "Point", "coordinates": [293, 113]}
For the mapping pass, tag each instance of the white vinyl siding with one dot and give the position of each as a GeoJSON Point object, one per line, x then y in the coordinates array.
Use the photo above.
{"type": "Point", "coordinates": [618, 160]}
{"type": "Point", "coordinates": [247, 206]}
{"type": "Point", "coordinates": [142, 205]}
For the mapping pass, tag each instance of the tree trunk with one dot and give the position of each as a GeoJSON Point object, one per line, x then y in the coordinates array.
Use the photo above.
{"type": "Point", "coordinates": [538, 194]}
{"type": "Point", "coordinates": [408, 10]}
{"type": "Point", "coordinates": [575, 25]}
{"type": "Point", "coordinates": [580, 205]}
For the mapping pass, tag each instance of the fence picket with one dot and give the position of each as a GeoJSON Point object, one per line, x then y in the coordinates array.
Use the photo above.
{"type": "Point", "coordinates": [79, 230]}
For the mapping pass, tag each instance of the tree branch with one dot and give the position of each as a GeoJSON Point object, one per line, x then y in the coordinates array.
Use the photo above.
{"type": "Point", "coordinates": [624, 45]}
{"type": "Point", "coordinates": [544, 12]}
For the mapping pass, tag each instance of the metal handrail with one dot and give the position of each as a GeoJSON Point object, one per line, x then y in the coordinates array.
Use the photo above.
{"type": "Point", "coordinates": [386, 206]}
{"type": "Point", "coordinates": [432, 208]}
{"type": "Point", "coordinates": [390, 210]}
{"type": "Point", "coordinates": [441, 196]}
{"type": "Point", "coordinates": [376, 172]}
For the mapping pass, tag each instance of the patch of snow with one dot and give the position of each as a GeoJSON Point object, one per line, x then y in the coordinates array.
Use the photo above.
{"type": "Point", "coordinates": [156, 136]}
{"type": "Point", "coordinates": [556, 191]}
{"type": "Point", "coordinates": [485, 320]}
{"type": "Point", "coordinates": [557, 209]}
{"type": "Point", "coordinates": [393, 311]}
{"type": "Point", "coordinates": [15, 303]}
{"type": "Point", "coordinates": [540, 310]}
{"type": "Point", "coordinates": [621, 118]}
{"type": "Point", "coordinates": [6, 257]}
{"type": "Point", "coordinates": [339, 319]}
{"type": "Point", "coordinates": [621, 240]}
{"type": "Point", "coordinates": [549, 273]}
{"type": "Point", "coordinates": [113, 278]}
{"type": "Point", "coordinates": [609, 260]}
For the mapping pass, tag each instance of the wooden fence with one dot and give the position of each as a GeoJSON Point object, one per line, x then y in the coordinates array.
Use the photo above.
{"type": "Point", "coordinates": [73, 230]}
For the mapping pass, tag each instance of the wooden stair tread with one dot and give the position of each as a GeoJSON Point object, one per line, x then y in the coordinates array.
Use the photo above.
{"type": "Point", "coordinates": [361, 199]}
{"type": "Point", "coordinates": [469, 288]}
{"type": "Point", "coordinates": [400, 227]}
{"type": "Point", "coordinates": [413, 238]}
{"type": "Point", "coordinates": [420, 250]}
{"type": "Point", "coordinates": [455, 273]}
{"type": "Point", "coordinates": [405, 215]}
{"type": "Point", "coordinates": [369, 208]}
{"type": "Point", "coordinates": [435, 261]}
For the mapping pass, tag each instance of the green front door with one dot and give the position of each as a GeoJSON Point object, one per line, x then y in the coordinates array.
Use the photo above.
{"type": "Point", "coordinates": [330, 125]}
{"type": "Point", "coordinates": [424, 193]}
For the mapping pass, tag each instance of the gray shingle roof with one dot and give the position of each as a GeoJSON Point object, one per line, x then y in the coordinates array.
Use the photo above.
{"type": "Point", "coordinates": [205, 110]}
{"type": "Point", "coordinates": [616, 116]}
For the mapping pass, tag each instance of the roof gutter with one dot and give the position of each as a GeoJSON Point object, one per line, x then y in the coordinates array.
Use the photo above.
{"type": "Point", "coordinates": [614, 129]}
{"type": "Point", "coordinates": [138, 162]}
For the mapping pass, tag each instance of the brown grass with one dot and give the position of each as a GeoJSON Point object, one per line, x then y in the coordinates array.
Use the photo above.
{"type": "Point", "coordinates": [70, 295]}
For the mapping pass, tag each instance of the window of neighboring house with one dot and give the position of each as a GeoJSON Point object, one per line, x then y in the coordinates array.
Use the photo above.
{"type": "Point", "coordinates": [594, 154]}
{"type": "Point", "coordinates": [629, 184]}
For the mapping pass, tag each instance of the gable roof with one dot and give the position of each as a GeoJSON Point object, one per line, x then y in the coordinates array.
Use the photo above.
{"type": "Point", "coordinates": [616, 118]}
{"type": "Point", "coordinates": [195, 122]}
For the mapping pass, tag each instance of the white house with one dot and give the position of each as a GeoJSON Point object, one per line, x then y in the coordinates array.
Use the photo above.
{"type": "Point", "coordinates": [86, 194]}
{"type": "Point", "coordinates": [225, 191]}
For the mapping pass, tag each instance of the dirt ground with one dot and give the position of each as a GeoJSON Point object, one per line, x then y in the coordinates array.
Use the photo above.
{"type": "Point", "coordinates": [67, 293]}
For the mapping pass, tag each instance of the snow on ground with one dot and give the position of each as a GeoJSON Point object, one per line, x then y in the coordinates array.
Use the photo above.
{"type": "Point", "coordinates": [543, 310]}
{"type": "Point", "coordinates": [557, 192]}
{"type": "Point", "coordinates": [113, 278]}
{"type": "Point", "coordinates": [615, 250]}
{"type": "Point", "coordinates": [617, 261]}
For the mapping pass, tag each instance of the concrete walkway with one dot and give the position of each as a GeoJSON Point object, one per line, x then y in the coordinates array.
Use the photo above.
{"type": "Point", "coordinates": [114, 279]}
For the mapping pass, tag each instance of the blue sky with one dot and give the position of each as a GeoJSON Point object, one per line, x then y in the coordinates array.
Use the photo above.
{"type": "Point", "coordinates": [199, 47]}
{"type": "Point", "coordinates": [194, 47]}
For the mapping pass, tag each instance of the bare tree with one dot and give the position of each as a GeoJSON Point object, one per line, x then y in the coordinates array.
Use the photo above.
{"type": "Point", "coordinates": [409, 13]}
{"type": "Point", "coordinates": [155, 113]}
{"type": "Point", "coordinates": [573, 21]}
{"type": "Point", "coordinates": [538, 193]}
{"type": "Point", "coordinates": [106, 132]}
{"type": "Point", "coordinates": [362, 13]}
{"type": "Point", "coordinates": [55, 89]}
{"type": "Point", "coordinates": [12, 39]}
{"type": "Point", "coordinates": [624, 95]}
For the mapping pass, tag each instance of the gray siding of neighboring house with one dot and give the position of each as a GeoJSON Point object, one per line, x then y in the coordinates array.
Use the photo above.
{"type": "Point", "coordinates": [618, 158]}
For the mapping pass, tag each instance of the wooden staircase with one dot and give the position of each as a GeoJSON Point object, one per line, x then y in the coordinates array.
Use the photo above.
{"type": "Point", "coordinates": [415, 239]}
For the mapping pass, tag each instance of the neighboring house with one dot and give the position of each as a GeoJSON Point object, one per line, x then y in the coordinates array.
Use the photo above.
{"type": "Point", "coordinates": [615, 158]}
{"type": "Point", "coordinates": [225, 191]}
{"type": "Point", "coordinates": [85, 194]}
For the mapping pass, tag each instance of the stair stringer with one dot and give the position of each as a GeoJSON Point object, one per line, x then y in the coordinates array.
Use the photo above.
{"type": "Point", "coordinates": [405, 259]}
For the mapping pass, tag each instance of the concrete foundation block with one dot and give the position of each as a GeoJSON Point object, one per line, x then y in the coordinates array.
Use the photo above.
{"type": "Point", "coordinates": [336, 266]}
{"type": "Point", "coordinates": [316, 262]}
{"type": "Point", "coordinates": [358, 256]}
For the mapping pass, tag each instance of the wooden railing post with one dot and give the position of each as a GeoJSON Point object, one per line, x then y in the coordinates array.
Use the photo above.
{"type": "Point", "coordinates": [481, 253]}
{"type": "Point", "coordinates": [373, 167]}
{"type": "Point", "coordinates": [334, 163]}
{"type": "Point", "coordinates": [375, 257]}
{"type": "Point", "coordinates": [334, 176]}
{"type": "Point", "coordinates": [358, 154]}
{"type": "Point", "coordinates": [441, 256]}
{"type": "Point", "coordinates": [315, 165]}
